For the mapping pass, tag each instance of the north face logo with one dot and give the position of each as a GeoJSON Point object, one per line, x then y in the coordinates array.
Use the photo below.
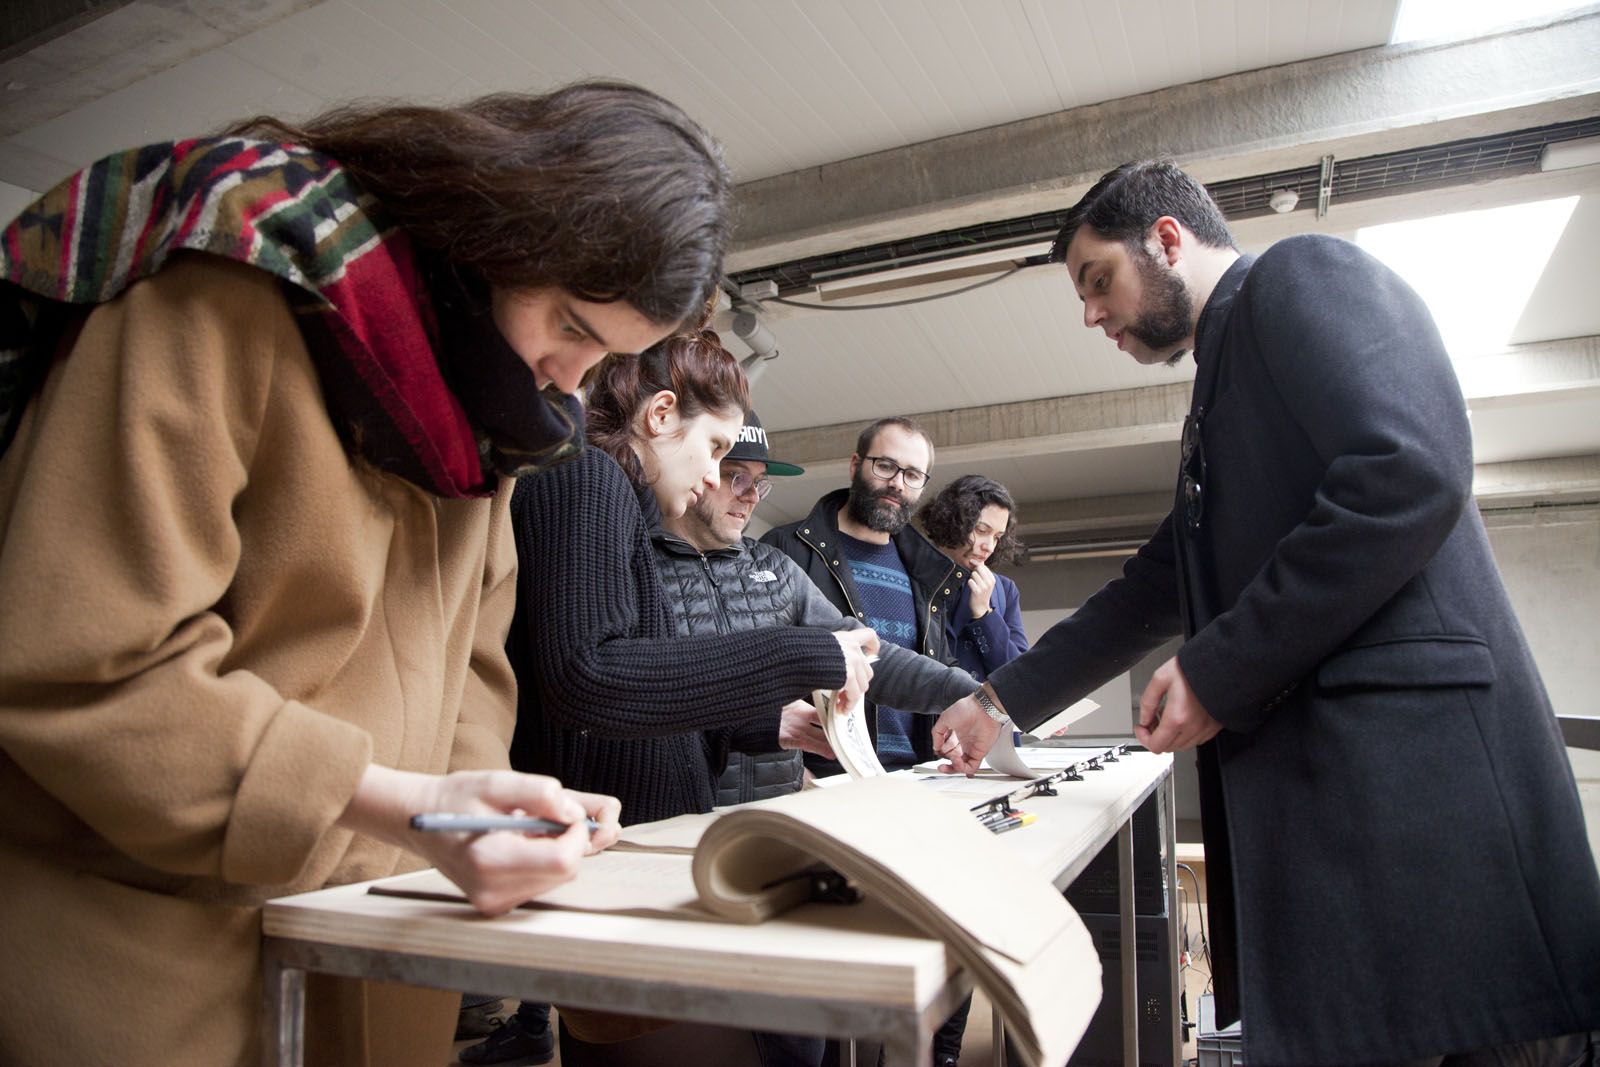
{"type": "Point", "coordinates": [763, 576]}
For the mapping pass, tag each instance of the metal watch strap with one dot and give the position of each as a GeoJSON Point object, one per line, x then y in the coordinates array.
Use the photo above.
{"type": "Point", "coordinates": [990, 708]}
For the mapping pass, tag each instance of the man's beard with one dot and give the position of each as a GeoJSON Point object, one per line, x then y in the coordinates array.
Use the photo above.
{"type": "Point", "coordinates": [715, 526]}
{"type": "Point", "coordinates": [879, 509]}
{"type": "Point", "coordinates": [1164, 320]}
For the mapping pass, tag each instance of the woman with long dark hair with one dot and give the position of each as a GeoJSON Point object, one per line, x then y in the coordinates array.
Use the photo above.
{"type": "Point", "coordinates": [262, 400]}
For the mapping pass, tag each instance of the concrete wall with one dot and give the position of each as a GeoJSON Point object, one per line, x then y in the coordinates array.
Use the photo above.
{"type": "Point", "coordinates": [1550, 560]}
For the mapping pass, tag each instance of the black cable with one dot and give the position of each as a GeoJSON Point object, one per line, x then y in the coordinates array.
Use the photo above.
{"type": "Point", "coordinates": [1205, 940]}
{"type": "Point", "coordinates": [892, 303]}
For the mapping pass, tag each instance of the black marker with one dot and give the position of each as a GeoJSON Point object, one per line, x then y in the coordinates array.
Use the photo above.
{"type": "Point", "coordinates": [459, 822]}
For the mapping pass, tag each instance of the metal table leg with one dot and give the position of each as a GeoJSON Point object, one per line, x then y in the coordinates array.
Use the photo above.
{"type": "Point", "coordinates": [1129, 946]}
{"type": "Point", "coordinates": [283, 996]}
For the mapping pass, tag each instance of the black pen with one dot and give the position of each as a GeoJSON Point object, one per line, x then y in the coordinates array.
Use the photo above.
{"type": "Point", "coordinates": [459, 822]}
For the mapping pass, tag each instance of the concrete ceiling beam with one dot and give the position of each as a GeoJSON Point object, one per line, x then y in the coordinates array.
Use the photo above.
{"type": "Point", "coordinates": [1091, 421]}
{"type": "Point", "coordinates": [1355, 104]}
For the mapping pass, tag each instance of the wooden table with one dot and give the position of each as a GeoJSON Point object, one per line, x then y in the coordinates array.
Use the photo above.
{"type": "Point", "coordinates": [857, 972]}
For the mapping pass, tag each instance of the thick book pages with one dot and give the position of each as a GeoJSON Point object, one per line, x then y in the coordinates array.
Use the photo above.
{"type": "Point", "coordinates": [930, 861]}
{"type": "Point", "coordinates": [848, 735]}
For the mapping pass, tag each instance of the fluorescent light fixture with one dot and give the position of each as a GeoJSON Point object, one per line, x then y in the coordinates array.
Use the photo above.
{"type": "Point", "coordinates": [1426, 20]}
{"type": "Point", "coordinates": [934, 266]}
{"type": "Point", "coordinates": [1474, 269]}
{"type": "Point", "coordinates": [763, 345]}
{"type": "Point", "coordinates": [1561, 155]}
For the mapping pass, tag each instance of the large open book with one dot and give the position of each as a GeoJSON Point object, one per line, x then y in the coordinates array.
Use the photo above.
{"type": "Point", "coordinates": [918, 854]}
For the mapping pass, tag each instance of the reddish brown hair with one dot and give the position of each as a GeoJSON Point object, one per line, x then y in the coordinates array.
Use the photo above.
{"type": "Point", "coordinates": [694, 366]}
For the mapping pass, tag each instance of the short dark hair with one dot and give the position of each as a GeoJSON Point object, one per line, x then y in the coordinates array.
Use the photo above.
{"type": "Point", "coordinates": [949, 517]}
{"type": "Point", "coordinates": [602, 188]}
{"type": "Point", "coordinates": [1126, 202]}
{"type": "Point", "coordinates": [870, 434]}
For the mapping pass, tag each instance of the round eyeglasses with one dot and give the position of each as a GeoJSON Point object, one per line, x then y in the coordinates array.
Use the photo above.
{"type": "Point", "coordinates": [741, 482]}
{"type": "Point", "coordinates": [886, 469]}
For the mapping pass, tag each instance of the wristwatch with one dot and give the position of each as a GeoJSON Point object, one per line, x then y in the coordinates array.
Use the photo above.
{"type": "Point", "coordinates": [990, 708]}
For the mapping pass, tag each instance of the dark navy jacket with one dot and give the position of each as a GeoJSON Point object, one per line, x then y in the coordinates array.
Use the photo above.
{"type": "Point", "coordinates": [985, 645]}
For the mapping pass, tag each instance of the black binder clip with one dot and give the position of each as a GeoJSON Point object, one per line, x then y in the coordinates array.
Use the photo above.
{"type": "Point", "coordinates": [831, 887]}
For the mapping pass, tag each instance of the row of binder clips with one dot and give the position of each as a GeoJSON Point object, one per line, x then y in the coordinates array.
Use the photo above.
{"type": "Point", "coordinates": [1005, 806]}
{"type": "Point", "coordinates": [827, 886]}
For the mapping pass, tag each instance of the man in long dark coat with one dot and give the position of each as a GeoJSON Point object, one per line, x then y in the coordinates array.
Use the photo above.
{"type": "Point", "coordinates": [1396, 857]}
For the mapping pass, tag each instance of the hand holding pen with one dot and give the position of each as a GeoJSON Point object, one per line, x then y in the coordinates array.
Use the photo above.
{"type": "Point", "coordinates": [496, 871]}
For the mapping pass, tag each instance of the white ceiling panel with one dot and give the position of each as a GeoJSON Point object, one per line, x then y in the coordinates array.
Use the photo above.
{"type": "Point", "coordinates": [786, 84]}
{"type": "Point", "coordinates": [1538, 425]}
{"type": "Point", "coordinates": [1020, 339]}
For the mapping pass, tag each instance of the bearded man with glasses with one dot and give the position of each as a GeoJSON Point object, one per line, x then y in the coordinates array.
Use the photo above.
{"type": "Point", "coordinates": [860, 549]}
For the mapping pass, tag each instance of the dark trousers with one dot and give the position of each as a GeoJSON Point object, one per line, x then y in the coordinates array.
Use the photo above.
{"type": "Point", "coordinates": [533, 1017]}
{"type": "Point", "coordinates": [1574, 1050]}
{"type": "Point", "coordinates": [946, 1039]}
{"type": "Point", "coordinates": [788, 1050]}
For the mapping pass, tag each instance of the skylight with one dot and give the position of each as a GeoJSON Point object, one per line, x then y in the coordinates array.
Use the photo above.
{"type": "Point", "coordinates": [1474, 269]}
{"type": "Point", "coordinates": [1426, 20]}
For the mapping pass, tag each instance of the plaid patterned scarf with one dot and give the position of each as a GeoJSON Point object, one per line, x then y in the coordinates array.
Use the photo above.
{"type": "Point", "coordinates": [351, 276]}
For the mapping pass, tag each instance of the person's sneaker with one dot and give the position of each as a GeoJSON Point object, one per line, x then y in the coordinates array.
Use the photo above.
{"type": "Point", "coordinates": [510, 1045]}
{"type": "Point", "coordinates": [477, 1019]}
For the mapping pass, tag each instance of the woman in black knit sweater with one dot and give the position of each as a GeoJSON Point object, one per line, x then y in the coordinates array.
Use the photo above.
{"type": "Point", "coordinates": [609, 699]}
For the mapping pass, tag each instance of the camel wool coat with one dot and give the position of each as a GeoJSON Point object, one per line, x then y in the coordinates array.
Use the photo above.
{"type": "Point", "coordinates": [211, 621]}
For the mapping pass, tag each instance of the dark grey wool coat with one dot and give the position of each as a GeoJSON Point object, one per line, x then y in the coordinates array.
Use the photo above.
{"type": "Point", "coordinates": [1396, 857]}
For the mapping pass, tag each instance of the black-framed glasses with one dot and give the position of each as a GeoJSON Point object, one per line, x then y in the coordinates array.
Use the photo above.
{"type": "Point", "coordinates": [1192, 484]}
{"type": "Point", "coordinates": [887, 469]}
{"type": "Point", "coordinates": [741, 482]}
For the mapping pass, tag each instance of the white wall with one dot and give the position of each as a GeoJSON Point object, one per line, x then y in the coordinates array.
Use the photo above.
{"type": "Point", "coordinates": [1550, 561]}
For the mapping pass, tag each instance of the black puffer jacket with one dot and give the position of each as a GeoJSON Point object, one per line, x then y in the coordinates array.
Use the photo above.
{"type": "Point", "coordinates": [751, 585]}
